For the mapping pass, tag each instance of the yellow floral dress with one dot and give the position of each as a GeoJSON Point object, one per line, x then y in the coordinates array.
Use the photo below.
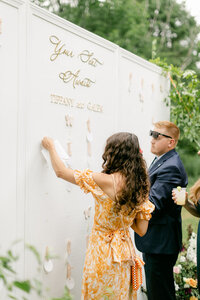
{"type": "Point", "coordinates": [107, 268]}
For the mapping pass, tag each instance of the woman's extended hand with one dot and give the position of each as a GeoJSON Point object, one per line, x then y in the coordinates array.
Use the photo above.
{"type": "Point", "coordinates": [47, 143]}
{"type": "Point", "coordinates": [58, 165]}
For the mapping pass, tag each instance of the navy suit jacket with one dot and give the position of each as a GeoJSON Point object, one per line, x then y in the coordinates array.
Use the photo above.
{"type": "Point", "coordinates": [164, 234]}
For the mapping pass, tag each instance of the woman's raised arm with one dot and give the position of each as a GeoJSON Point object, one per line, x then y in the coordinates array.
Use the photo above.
{"type": "Point", "coordinates": [59, 167]}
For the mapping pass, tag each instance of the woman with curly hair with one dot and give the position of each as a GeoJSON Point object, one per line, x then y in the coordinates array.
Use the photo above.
{"type": "Point", "coordinates": [121, 193]}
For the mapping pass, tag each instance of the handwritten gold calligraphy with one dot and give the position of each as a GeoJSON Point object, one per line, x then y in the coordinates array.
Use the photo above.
{"type": "Point", "coordinates": [59, 48]}
{"type": "Point", "coordinates": [75, 79]}
{"type": "Point", "coordinates": [80, 105]}
{"type": "Point", "coordinates": [87, 57]}
{"type": "Point", "coordinates": [95, 107]}
{"type": "Point", "coordinates": [56, 99]}
{"type": "Point", "coordinates": [62, 100]}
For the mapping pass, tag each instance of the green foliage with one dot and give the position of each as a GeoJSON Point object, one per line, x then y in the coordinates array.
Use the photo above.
{"type": "Point", "coordinates": [9, 276]}
{"type": "Point", "coordinates": [191, 161]}
{"type": "Point", "coordinates": [192, 166]}
{"type": "Point", "coordinates": [66, 295]}
{"type": "Point", "coordinates": [12, 283]}
{"type": "Point", "coordinates": [121, 22]}
{"type": "Point", "coordinates": [148, 28]}
{"type": "Point", "coordinates": [23, 285]}
{"type": "Point", "coordinates": [35, 253]}
{"type": "Point", "coordinates": [185, 101]}
{"type": "Point", "coordinates": [175, 32]}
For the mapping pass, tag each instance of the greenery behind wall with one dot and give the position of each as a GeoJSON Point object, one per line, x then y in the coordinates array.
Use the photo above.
{"type": "Point", "coordinates": [184, 100]}
{"type": "Point", "coordinates": [139, 26]}
{"type": "Point", "coordinates": [191, 163]}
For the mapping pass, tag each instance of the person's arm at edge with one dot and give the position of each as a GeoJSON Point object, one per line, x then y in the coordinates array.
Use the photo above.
{"type": "Point", "coordinates": [190, 206]}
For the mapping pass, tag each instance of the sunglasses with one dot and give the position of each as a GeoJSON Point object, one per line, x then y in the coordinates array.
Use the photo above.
{"type": "Point", "coordinates": [156, 134]}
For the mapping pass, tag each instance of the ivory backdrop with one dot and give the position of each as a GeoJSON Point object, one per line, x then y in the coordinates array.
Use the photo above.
{"type": "Point", "coordinates": [54, 77]}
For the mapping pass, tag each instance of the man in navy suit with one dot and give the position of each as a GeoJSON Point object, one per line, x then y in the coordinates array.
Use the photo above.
{"type": "Point", "coordinates": [163, 240]}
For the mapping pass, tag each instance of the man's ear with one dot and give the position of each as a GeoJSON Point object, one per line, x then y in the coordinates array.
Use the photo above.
{"type": "Point", "coordinates": [172, 143]}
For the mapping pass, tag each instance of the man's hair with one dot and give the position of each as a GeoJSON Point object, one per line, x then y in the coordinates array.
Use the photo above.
{"type": "Point", "coordinates": [172, 129]}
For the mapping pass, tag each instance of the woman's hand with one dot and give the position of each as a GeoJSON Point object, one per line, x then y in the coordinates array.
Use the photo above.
{"type": "Point", "coordinates": [175, 198]}
{"type": "Point", "coordinates": [47, 143]}
{"type": "Point", "coordinates": [198, 152]}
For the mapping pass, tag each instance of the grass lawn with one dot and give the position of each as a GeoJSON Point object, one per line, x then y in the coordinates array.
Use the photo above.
{"type": "Point", "coordinates": [187, 219]}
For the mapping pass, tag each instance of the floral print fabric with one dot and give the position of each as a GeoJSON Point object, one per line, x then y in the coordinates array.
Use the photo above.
{"type": "Point", "coordinates": [107, 267]}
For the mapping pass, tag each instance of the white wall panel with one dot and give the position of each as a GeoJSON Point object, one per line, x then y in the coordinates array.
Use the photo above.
{"type": "Point", "coordinates": [50, 207]}
{"type": "Point", "coordinates": [141, 101]}
{"type": "Point", "coordinates": [9, 69]}
{"type": "Point", "coordinates": [42, 209]}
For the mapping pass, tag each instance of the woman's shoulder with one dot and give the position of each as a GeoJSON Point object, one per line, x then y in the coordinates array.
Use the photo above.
{"type": "Point", "coordinates": [109, 183]}
{"type": "Point", "coordinates": [102, 178]}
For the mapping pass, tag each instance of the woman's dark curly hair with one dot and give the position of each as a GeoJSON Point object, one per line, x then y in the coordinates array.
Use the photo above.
{"type": "Point", "coordinates": [122, 154]}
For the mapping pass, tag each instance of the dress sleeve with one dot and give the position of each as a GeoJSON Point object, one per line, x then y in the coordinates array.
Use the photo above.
{"type": "Point", "coordinates": [84, 180]}
{"type": "Point", "coordinates": [144, 210]}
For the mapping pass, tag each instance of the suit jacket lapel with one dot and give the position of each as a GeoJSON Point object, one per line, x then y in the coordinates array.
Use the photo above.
{"type": "Point", "coordinates": [160, 161]}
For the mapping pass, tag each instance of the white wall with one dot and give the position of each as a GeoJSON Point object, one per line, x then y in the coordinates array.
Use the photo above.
{"type": "Point", "coordinates": [129, 91]}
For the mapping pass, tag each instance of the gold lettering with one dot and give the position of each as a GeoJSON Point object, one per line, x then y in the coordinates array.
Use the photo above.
{"type": "Point", "coordinates": [74, 78]}
{"type": "Point", "coordinates": [80, 105]}
{"type": "Point", "coordinates": [62, 100]}
{"type": "Point", "coordinates": [57, 99]}
{"type": "Point", "coordinates": [95, 107]}
{"type": "Point", "coordinates": [87, 57]}
{"type": "Point", "coordinates": [59, 48]}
